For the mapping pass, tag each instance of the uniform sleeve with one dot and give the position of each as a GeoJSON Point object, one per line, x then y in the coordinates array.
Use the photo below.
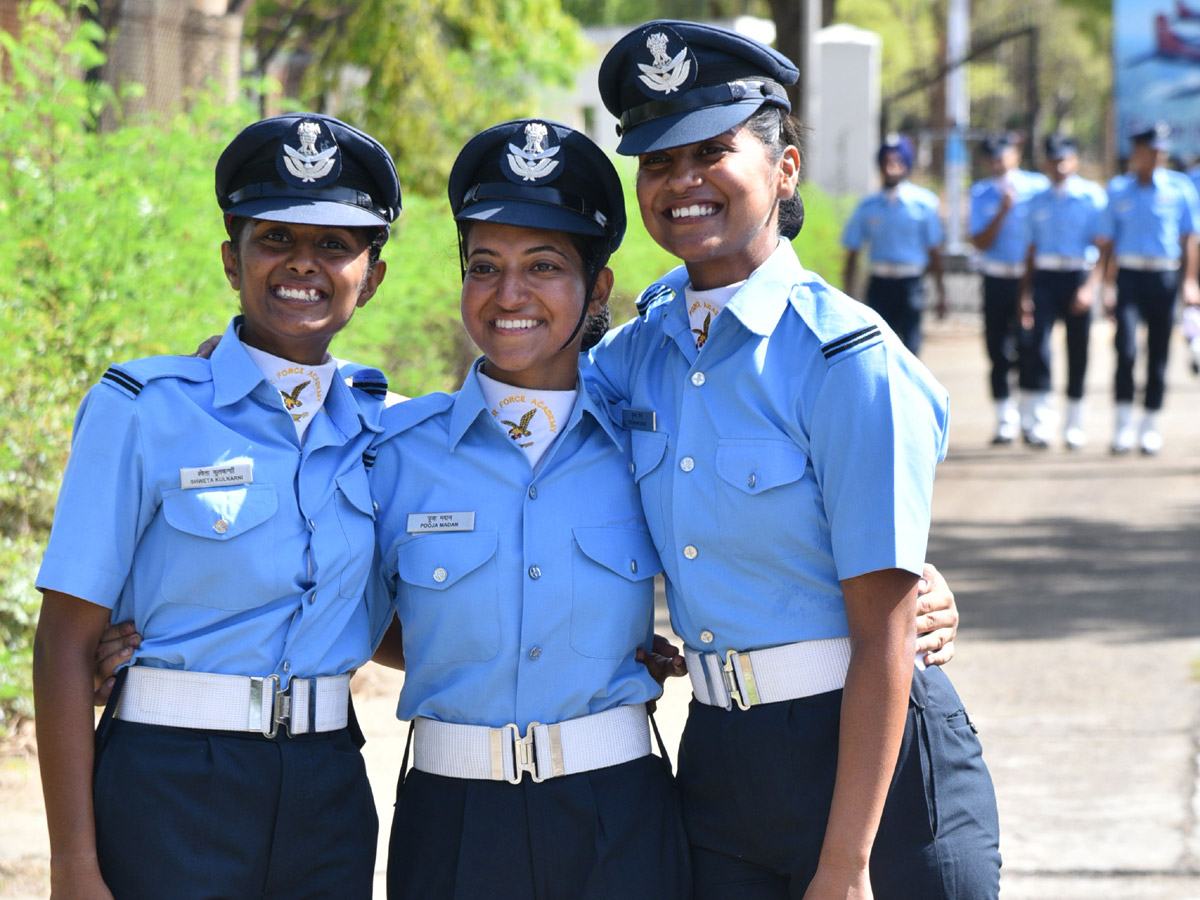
{"type": "Point", "coordinates": [1190, 218]}
{"type": "Point", "coordinates": [854, 233]}
{"type": "Point", "coordinates": [878, 429]}
{"type": "Point", "coordinates": [608, 368]}
{"type": "Point", "coordinates": [977, 221]}
{"type": "Point", "coordinates": [103, 507]}
{"type": "Point", "coordinates": [1106, 225]}
{"type": "Point", "coordinates": [1099, 211]}
{"type": "Point", "coordinates": [934, 235]}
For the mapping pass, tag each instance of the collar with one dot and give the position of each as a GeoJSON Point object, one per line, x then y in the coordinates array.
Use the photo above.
{"type": "Point", "coordinates": [470, 405]}
{"type": "Point", "coordinates": [761, 301]}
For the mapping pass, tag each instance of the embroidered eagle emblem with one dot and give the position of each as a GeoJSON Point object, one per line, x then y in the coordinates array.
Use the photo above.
{"type": "Point", "coordinates": [518, 430]}
{"type": "Point", "coordinates": [702, 333]}
{"type": "Point", "coordinates": [292, 400]}
{"type": "Point", "coordinates": [666, 74]}
{"type": "Point", "coordinates": [307, 163]}
{"type": "Point", "coordinates": [533, 161]}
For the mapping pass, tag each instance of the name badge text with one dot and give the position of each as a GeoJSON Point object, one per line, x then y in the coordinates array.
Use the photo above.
{"type": "Point", "coordinates": [446, 521]}
{"type": "Point", "coordinates": [216, 476]}
{"type": "Point", "coordinates": [639, 419]}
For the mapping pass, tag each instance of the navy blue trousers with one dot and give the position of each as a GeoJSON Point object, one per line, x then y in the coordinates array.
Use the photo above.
{"type": "Point", "coordinates": [900, 302]}
{"type": "Point", "coordinates": [1053, 294]}
{"type": "Point", "coordinates": [203, 815]}
{"type": "Point", "coordinates": [602, 835]}
{"type": "Point", "coordinates": [1000, 330]}
{"type": "Point", "coordinates": [757, 787]}
{"type": "Point", "coordinates": [1150, 297]}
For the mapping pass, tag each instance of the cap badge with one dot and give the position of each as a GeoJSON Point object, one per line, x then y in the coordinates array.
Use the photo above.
{"type": "Point", "coordinates": [667, 73]}
{"type": "Point", "coordinates": [533, 162]}
{"type": "Point", "coordinates": [307, 164]}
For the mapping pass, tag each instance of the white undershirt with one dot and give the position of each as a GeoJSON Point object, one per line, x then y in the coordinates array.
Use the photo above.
{"type": "Point", "coordinates": [532, 417]}
{"type": "Point", "coordinates": [302, 388]}
{"type": "Point", "coordinates": [704, 306]}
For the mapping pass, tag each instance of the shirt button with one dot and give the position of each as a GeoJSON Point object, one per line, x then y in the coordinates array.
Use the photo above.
{"type": "Point", "coordinates": [706, 636]}
{"type": "Point", "coordinates": [533, 492]}
{"type": "Point", "coordinates": [633, 566]}
{"type": "Point", "coordinates": [312, 526]}
{"type": "Point", "coordinates": [535, 653]}
{"type": "Point", "coordinates": [220, 526]}
{"type": "Point", "coordinates": [535, 573]}
{"type": "Point", "coordinates": [632, 468]}
{"type": "Point", "coordinates": [687, 464]}
{"type": "Point", "coordinates": [697, 378]}
{"type": "Point", "coordinates": [287, 667]}
{"type": "Point", "coordinates": [690, 552]}
{"type": "Point", "coordinates": [439, 574]}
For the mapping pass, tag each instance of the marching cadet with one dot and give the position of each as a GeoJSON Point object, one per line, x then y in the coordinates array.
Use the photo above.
{"type": "Point", "coordinates": [785, 466]}
{"type": "Point", "coordinates": [223, 506]}
{"type": "Point", "coordinates": [999, 205]}
{"type": "Point", "coordinates": [1064, 223]}
{"type": "Point", "coordinates": [1150, 228]}
{"type": "Point", "coordinates": [901, 224]}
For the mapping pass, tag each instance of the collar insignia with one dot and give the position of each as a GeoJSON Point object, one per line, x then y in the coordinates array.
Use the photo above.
{"type": "Point", "coordinates": [315, 159]}
{"type": "Point", "coordinates": [534, 161]}
{"type": "Point", "coordinates": [666, 73]}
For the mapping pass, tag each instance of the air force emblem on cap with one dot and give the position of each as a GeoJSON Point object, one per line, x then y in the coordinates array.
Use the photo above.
{"type": "Point", "coordinates": [306, 164]}
{"type": "Point", "coordinates": [534, 161]}
{"type": "Point", "coordinates": [666, 73]}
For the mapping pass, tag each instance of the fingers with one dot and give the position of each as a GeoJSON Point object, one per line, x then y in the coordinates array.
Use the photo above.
{"type": "Point", "coordinates": [115, 649]}
{"type": "Point", "coordinates": [940, 657]}
{"type": "Point", "coordinates": [103, 692]}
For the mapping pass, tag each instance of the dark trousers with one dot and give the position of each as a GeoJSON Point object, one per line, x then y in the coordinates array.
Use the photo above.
{"type": "Point", "coordinates": [203, 815]}
{"type": "Point", "coordinates": [757, 787]}
{"type": "Point", "coordinates": [1150, 297]}
{"type": "Point", "coordinates": [900, 302]}
{"type": "Point", "coordinates": [610, 833]}
{"type": "Point", "coordinates": [1000, 327]}
{"type": "Point", "coordinates": [1053, 294]}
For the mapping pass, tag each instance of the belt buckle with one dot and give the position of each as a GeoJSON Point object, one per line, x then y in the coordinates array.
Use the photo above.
{"type": "Point", "coordinates": [731, 680]}
{"type": "Point", "coordinates": [524, 753]}
{"type": "Point", "coordinates": [281, 705]}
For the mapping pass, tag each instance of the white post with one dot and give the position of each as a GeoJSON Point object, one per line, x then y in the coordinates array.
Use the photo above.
{"type": "Point", "coordinates": [958, 114]}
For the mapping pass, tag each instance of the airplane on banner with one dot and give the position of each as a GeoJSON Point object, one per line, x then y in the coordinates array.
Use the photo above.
{"type": "Point", "coordinates": [1169, 44]}
{"type": "Point", "coordinates": [1183, 11]}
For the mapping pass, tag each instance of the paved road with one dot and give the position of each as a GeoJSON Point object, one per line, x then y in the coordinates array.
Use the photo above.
{"type": "Point", "coordinates": [1077, 575]}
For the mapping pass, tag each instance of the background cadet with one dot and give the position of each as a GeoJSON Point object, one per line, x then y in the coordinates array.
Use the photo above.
{"type": "Point", "coordinates": [997, 225]}
{"type": "Point", "coordinates": [1064, 223]}
{"type": "Point", "coordinates": [1150, 225]}
{"type": "Point", "coordinates": [901, 224]}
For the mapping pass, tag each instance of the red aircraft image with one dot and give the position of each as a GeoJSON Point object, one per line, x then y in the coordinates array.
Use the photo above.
{"type": "Point", "coordinates": [1169, 44]}
{"type": "Point", "coordinates": [1183, 11]}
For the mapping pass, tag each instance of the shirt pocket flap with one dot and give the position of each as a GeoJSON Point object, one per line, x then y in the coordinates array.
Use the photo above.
{"type": "Point", "coordinates": [757, 466]}
{"type": "Point", "coordinates": [648, 450]}
{"type": "Point", "coordinates": [355, 489]}
{"type": "Point", "coordinates": [625, 551]}
{"type": "Point", "coordinates": [220, 514]}
{"type": "Point", "coordinates": [437, 561]}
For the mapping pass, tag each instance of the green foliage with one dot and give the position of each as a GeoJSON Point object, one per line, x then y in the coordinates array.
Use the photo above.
{"type": "Point", "coordinates": [628, 12]}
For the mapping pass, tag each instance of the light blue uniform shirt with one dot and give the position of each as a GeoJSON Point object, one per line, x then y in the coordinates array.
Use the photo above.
{"type": "Point", "coordinates": [532, 610]}
{"type": "Point", "coordinates": [901, 229]}
{"type": "Point", "coordinates": [796, 449]}
{"type": "Point", "coordinates": [258, 578]}
{"type": "Point", "coordinates": [1149, 220]}
{"type": "Point", "coordinates": [1011, 242]}
{"type": "Point", "coordinates": [1066, 221]}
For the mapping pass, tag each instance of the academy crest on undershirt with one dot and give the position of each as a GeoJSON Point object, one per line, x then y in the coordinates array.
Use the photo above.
{"type": "Point", "coordinates": [309, 156]}
{"type": "Point", "coordinates": [667, 66]}
{"type": "Point", "coordinates": [536, 160]}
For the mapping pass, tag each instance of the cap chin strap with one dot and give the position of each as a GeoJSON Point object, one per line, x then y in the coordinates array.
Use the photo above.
{"type": "Point", "coordinates": [768, 92]}
{"type": "Point", "coordinates": [587, 300]}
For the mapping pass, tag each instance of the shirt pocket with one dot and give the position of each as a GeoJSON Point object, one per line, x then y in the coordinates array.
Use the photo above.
{"type": "Point", "coordinates": [219, 546]}
{"type": "Point", "coordinates": [649, 449]}
{"type": "Point", "coordinates": [356, 515]}
{"type": "Point", "coordinates": [612, 590]}
{"type": "Point", "coordinates": [765, 504]}
{"type": "Point", "coordinates": [448, 599]}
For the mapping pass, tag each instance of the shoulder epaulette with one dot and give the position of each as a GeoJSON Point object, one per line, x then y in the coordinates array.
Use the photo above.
{"type": "Point", "coordinates": [130, 377]}
{"type": "Point", "coordinates": [367, 379]}
{"type": "Point", "coordinates": [653, 295]}
{"type": "Point", "coordinates": [411, 413]}
{"type": "Point", "coordinates": [857, 338]}
{"type": "Point", "coordinates": [368, 458]}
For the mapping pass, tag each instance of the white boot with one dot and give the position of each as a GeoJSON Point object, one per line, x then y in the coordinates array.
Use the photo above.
{"type": "Point", "coordinates": [1123, 434]}
{"type": "Point", "coordinates": [1149, 438]}
{"type": "Point", "coordinates": [1041, 428]}
{"type": "Point", "coordinates": [1008, 422]}
{"type": "Point", "coordinates": [1074, 434]}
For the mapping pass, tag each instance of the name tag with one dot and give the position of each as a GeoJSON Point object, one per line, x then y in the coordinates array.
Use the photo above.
{"type": "Point", "coordinates": [639, 419]}
{"type": "Point", "coordinates": [216, 476]}
{"type": "Point", "coordinates": [447, 521]}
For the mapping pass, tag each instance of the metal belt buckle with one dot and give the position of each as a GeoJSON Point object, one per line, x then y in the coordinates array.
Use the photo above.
{"type": "Point", "coordinates": [281, 704]}
{"type": "Point", "coordinates": [524, 753]}
{"type": "Point", "coordinates": [731, 679]}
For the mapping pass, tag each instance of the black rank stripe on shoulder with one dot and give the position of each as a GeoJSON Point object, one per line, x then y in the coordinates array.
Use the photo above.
{"type": "Point", "coordinates": [374, 388]}
{"type": "Point", "coordinates": [368, 458]}
{"type": "Point", "coordinates": [122, 380]}
{"type": "Point", "coordinates": [650, 294]}
{"type": "Point", "coordinates": [853, 339]}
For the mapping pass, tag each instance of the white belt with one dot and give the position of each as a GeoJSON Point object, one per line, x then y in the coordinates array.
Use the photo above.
{"type": "Point", "coordinates": [896, 270]}
{"type": "Point", "coordinates": [546, 751]}
{"type": "Point", "coordinates": [1051, 262]}
{"type": "Point", "coordinates": [233, 702]}
{"type": "Point", "coordinates": [994, 269]}
{"type": "Point", "coordinates": [769, 675]}
{"type": "Point", "coordinates": [1147, 263]}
